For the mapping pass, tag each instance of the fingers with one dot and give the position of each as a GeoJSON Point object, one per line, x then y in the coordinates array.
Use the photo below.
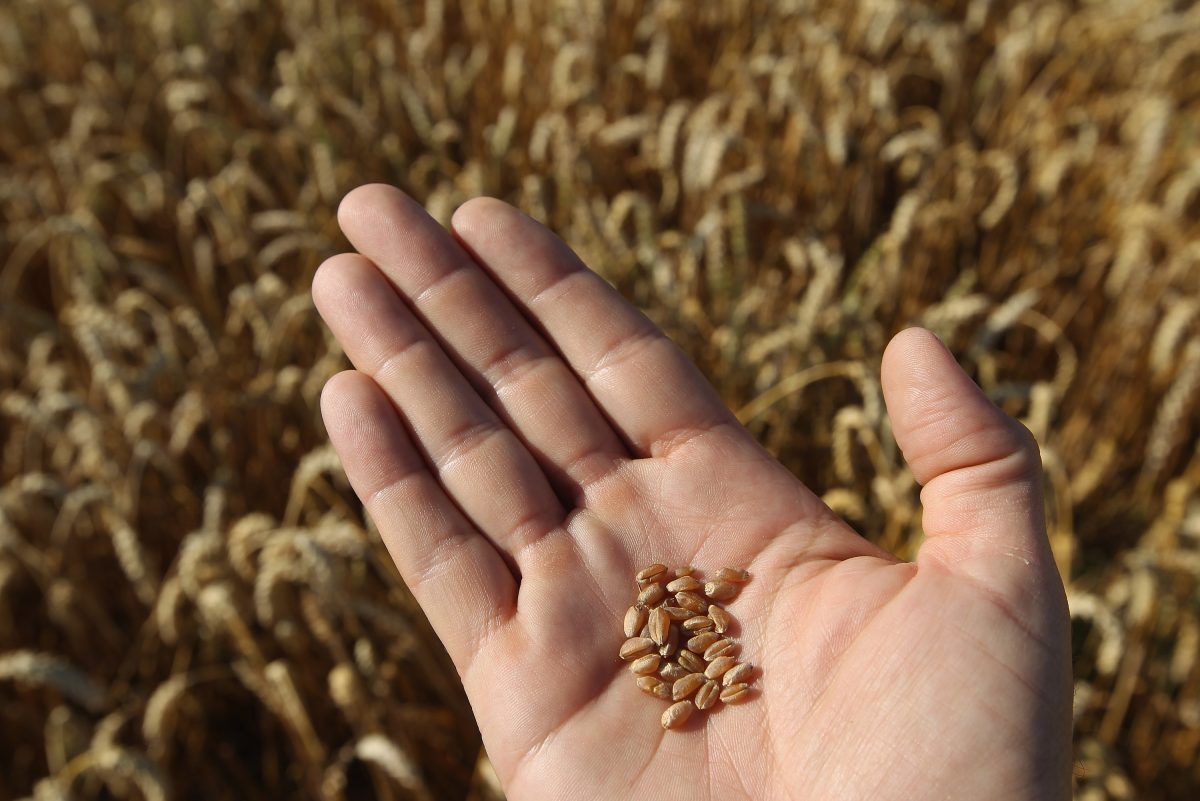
{"type": "Point", "coordinates": [506, 360]}
{"type": "Point", "coordinates": [482, 465]}
{"type": "Point", "coordinates": [646, 386]}
{"type": "Point", "coordinates": [454, 573]}
{"type": "Point", "coordinates": [980, 469]}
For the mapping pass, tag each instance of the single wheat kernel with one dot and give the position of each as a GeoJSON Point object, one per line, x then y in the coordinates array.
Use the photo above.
{"type": "Point", "coordinates": [645, 665]}
{"type": "Point", "coordinates": [678, 613]}
{"type": "Point", "coordinates": [720, 648]}
{"type": "Point", "coordinates": [684, 584]}
{"type": "Point", "coordinates": [733, 575]}
{"type": "Point", "coordinates": [735, 693]}
{"type": "Point", "coordinates": [663, 691]}
{"type": "Point", "coordinates": [635, 647]}
{"type": "Point", "coordinates": [647, 684]}
{"type": "Point", "coordinates": [672, 671]}
{"type": "Point", "coordinates": [698, 624]}
{"type": "Point", "coordinates": [686, 570]}
{"type": "Point", "coordinates": [651, 573]}
{"type": "Point", "coordinates": [707, 695]}
{"type": "Point", "coordinates": [737, 674]}
{"type": "Point", "coordinates": [692, 662]}
{"type": "Point", "coordinates": [677, 714]}
{"type": "Point", "coordinates": [687, 685]}
{"type": "Point", "coordinates": [652, 594]}
{"type": "Point", "coordinates": [720, 590]}
{"type": "Point", "coordinates": [660, 626]}
{"type": "Point", "coordinates": [692, 601]}
{"type": "Point", "coordinates": [700, 642]}
{"type": "Point", "coordinates": [719, 666]}
{"type": "Point", "coordinates": [671, 646]}
{"type": "Point", "coordinates": [721, 619]}
{"type": "Point", "coordinates": [635, 618]}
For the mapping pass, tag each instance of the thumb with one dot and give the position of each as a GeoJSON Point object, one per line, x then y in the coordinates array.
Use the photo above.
{"type": "Point", "coordinates": [979, 468]}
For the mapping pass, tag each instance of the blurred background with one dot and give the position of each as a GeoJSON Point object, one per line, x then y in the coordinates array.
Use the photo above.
{"type": "Point", "coordinates": [192, 605]}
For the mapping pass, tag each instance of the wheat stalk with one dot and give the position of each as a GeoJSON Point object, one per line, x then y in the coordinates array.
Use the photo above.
{"type": "Point", "coordinates": [29, 667]}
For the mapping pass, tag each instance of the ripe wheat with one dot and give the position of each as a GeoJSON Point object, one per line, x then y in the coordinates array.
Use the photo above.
{"type": "Point", "coordinates": [781, 186]}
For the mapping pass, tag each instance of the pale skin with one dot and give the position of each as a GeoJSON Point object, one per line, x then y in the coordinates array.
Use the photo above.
{"type": "Point", "coordinates": [526, 440]}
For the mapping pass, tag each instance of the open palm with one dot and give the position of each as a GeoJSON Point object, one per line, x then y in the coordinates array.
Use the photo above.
{"type": "Point", "coordinates": [526, 441]}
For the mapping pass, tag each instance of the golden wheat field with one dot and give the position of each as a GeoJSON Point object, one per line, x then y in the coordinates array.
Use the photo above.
{"type": "Point", "coordinates": [192, 605]}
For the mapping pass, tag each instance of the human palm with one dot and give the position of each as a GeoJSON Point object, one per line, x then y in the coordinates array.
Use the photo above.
{"type": "Point", "coordinates": [526, 441]}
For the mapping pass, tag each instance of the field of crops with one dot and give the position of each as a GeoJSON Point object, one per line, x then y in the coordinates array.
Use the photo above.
{"type": "Point", "coordinates": [191, 603]}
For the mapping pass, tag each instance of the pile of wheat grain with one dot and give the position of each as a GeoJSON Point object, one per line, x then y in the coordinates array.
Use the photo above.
{"type": "Point", "coordinates": [694, 664]}
{"type": "Point", "coordinates": [191, 605]}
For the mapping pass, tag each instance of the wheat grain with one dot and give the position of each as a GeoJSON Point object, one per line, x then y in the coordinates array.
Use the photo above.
{"type": "Point", "coordinates": [684, 584]}
{"type": "Point", "coordinates": [738, 674]}
{"type": "Point", "coordinates": [659, 626]}
{"type": "Point", "coordinates": [636, 647]}
{"type": "Point", "coordinates": [722, 622]}
{"type": "Point", "coordinates": [700, 642]}
{"type": "Point", "coordinates": [645, 665]}
{"type": "Point", "coordinates": [678, 613]}
{"type": "Point", "coordinates": [691, 602]}
{"type": "Point", "coordinates": [648, 684]}
{"type": "Point", "coordinates": [671, 646]}
{"type": "Point", "coordinates": [733, 575]}
{"type": "Point", "coordinates": [724, 647]}
{"type": "Point", "coordinates": [652, 594]}
{"type": "Point", "coordinates": [734, 693]}
{"type": "Point", "coordinates": [691, 661]}
{"type": "Point", "coordinates": [719, 666]}
{"type": "Point", "coordinates": [687, 685]}
{"type": "Point", "coordinates": [672, 671]}
{"type": "Point", "coordinates": [707, 695]}
{"type": "Point", "coordinates": [677, 714]}
{"type": "Point", "coordinates": [635, 618]}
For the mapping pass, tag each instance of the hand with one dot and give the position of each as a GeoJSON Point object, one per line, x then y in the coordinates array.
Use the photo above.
{"type": "Point", "coordinates": [526, 441]}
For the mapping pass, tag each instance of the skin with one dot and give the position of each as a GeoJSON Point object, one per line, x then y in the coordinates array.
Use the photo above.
{"type": "Point", "coordinates": [526, 441]}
